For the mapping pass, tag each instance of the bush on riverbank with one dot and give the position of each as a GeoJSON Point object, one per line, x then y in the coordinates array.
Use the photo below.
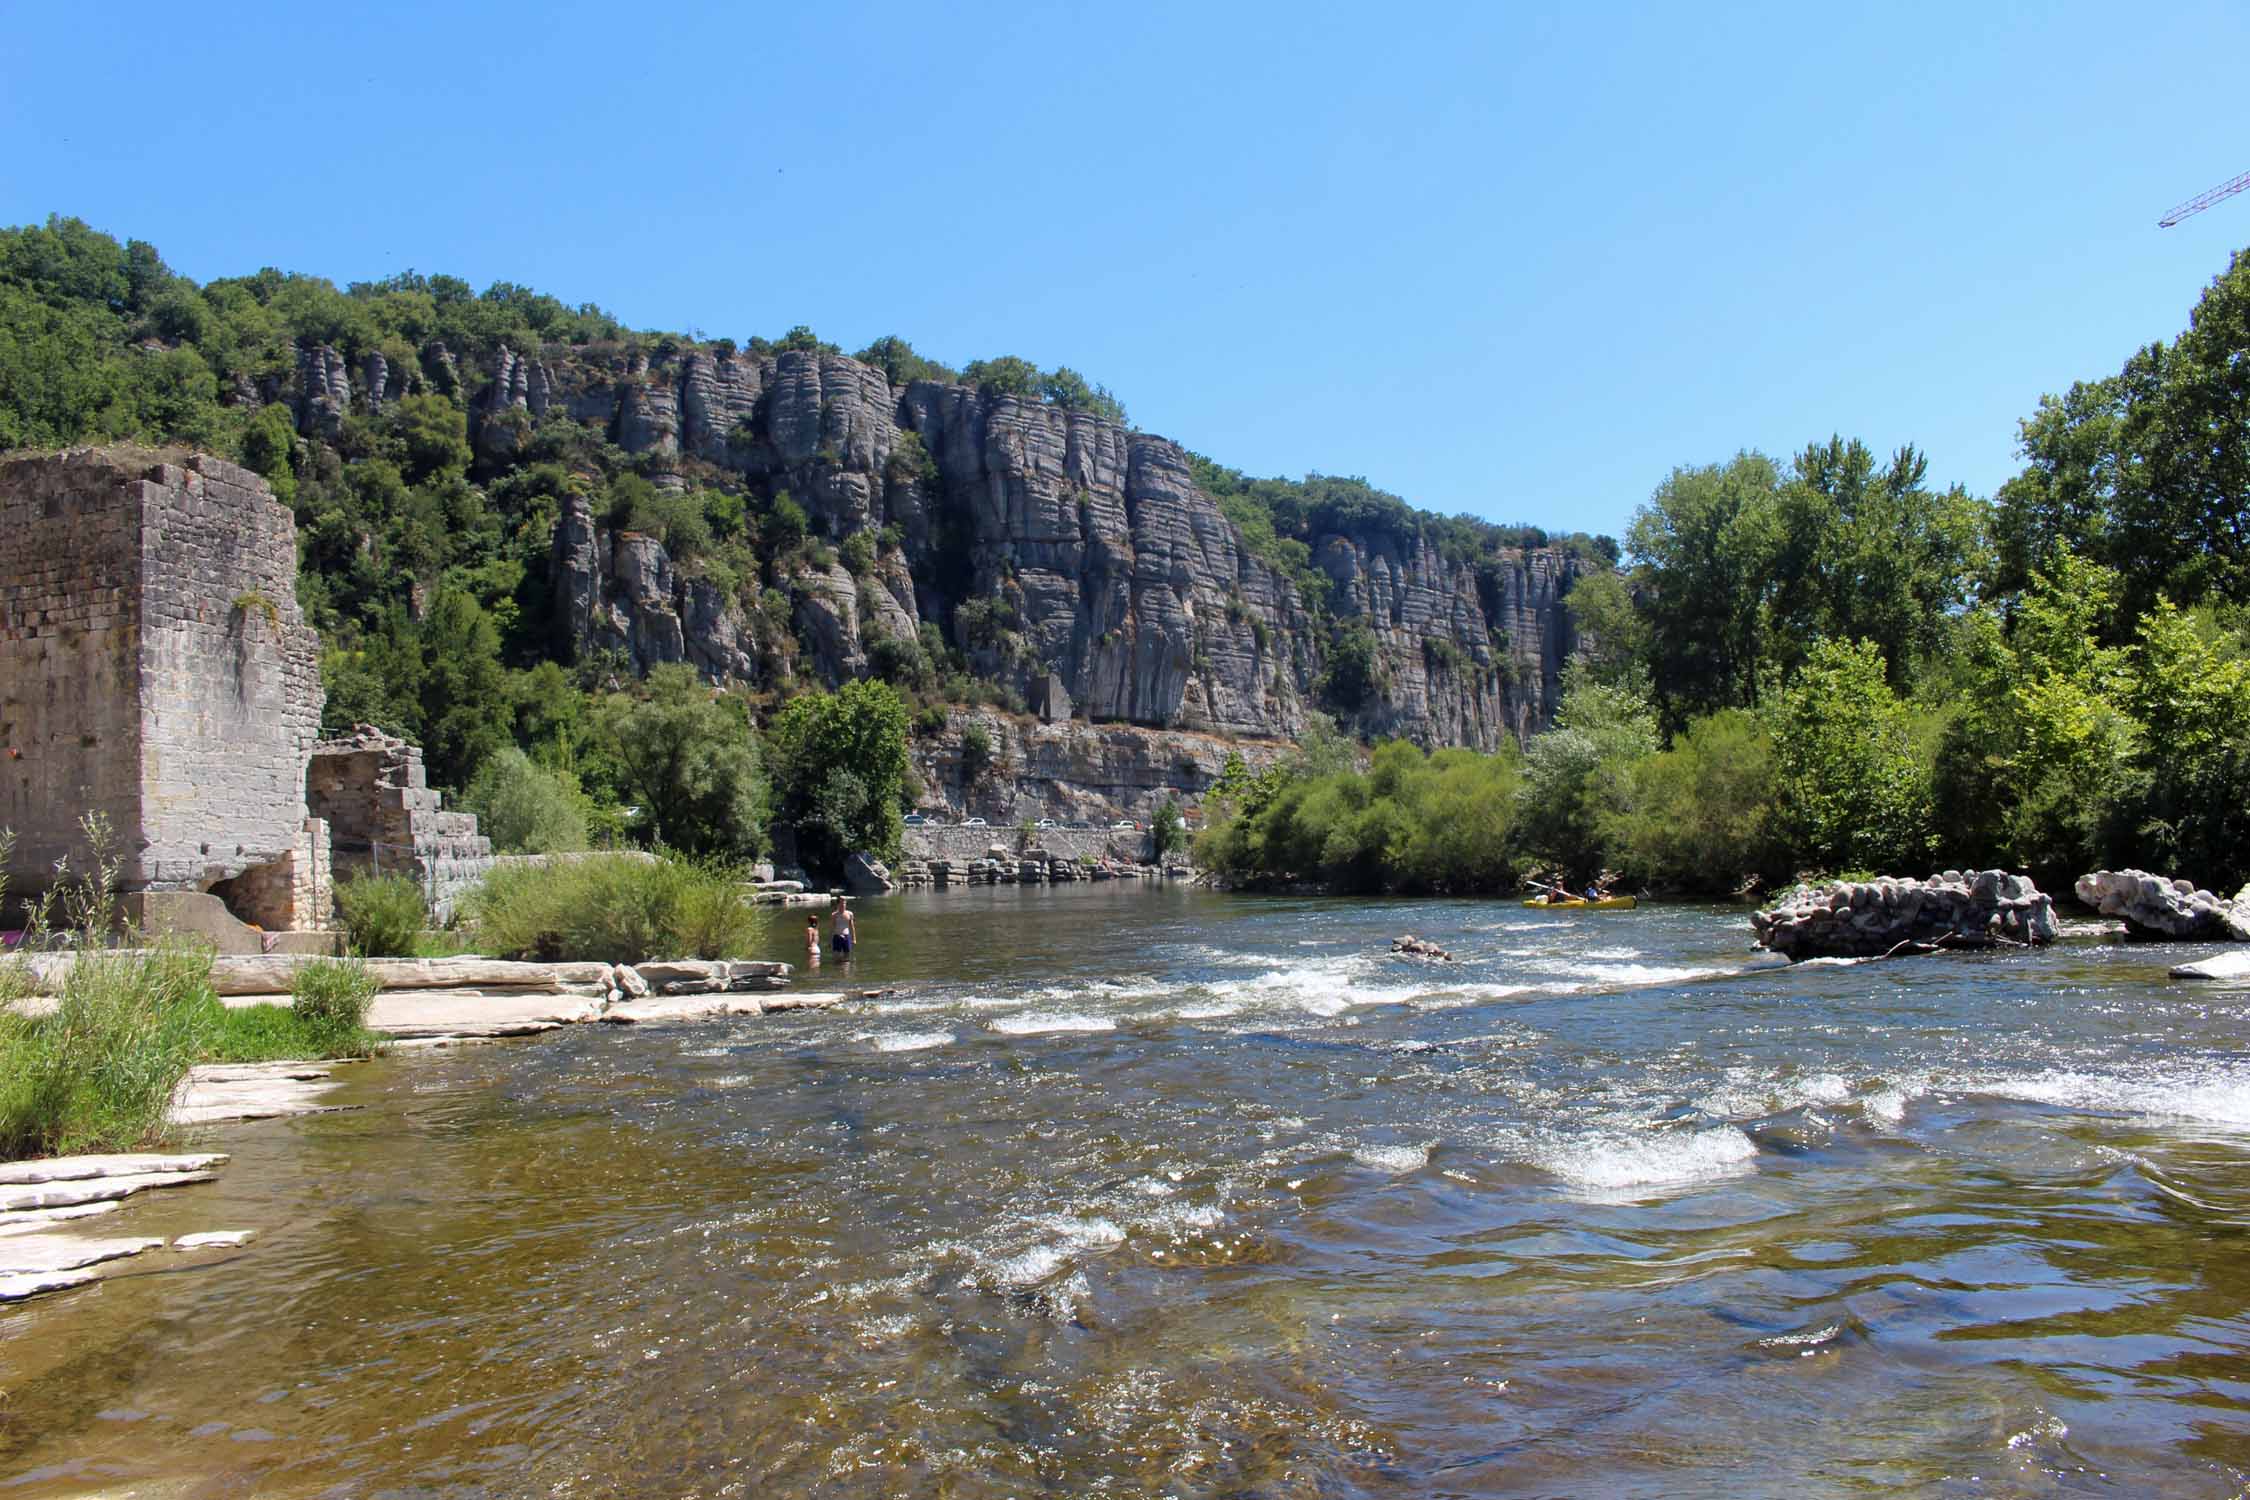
{"type": "Point", "coordinates": [383, 915]}
{"type": "Point", "coordinates": [612, 908]}
{"type": "Point", "coordinates": [326, 1018]}
{"type": "Point", "coordinates": [99, 1072]}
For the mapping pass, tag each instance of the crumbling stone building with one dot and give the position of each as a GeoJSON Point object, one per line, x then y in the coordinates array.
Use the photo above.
{"type": "Point", "coordinates": [156, 671]}
{"type": "Point", "coordinates": [382, 817]}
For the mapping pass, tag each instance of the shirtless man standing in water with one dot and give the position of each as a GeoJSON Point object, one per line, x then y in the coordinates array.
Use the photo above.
{"type": "Point", "coordinates": [840, 930]}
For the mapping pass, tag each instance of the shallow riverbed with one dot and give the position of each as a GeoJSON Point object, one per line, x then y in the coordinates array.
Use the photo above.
{"type": "Point", "coordinates": [1136, 1191]}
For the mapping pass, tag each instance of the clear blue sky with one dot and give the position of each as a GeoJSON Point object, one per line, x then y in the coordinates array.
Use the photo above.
{"type": "Point", "coordinates": [1518, 261]}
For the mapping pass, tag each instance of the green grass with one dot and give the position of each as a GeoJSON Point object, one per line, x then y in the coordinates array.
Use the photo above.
{"type": "Point", "coordinates": [99, 1072]}
{"type": "Point", "coordinates": [276, 1033]}
{"type": "Point", "coordinates": [612, 909]}
{"type": "Point", "coordinates": [383, 915]}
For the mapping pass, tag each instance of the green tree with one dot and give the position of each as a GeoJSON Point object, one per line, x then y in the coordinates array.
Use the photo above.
{"type": "Point", "coordinates": [1855, 792]}
{"type": "Point", "coordinates": [687, 755]}
{"type": "Point", "coordinates": [2148, 470]}
{"type": "Point", "coordinates": [1169, 832]}
{"type": "Point", "coordinates": [1004, 376]}
{"type": "Point", "coordinates": [840, 766]}
{"type": "Point", "coordinates": [1707, 540]}
{"type": "Point", "coordinates": [526, 808]}
{"type": "Point", "coordinates": [1578, 780]}
{"type": "Point", "coordinates": [1704, 814]}
{"type": "Point", "coordinates": [460, 688]}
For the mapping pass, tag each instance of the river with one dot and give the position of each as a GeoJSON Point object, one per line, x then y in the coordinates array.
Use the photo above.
{"type": "Point", "coordinates": [1138, 1192]}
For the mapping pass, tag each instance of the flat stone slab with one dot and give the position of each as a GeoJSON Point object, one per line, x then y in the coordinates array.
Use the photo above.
{"type": "Point", "coordinates": [91, 1189]}
{"type": "Point", "coordinates": [272, 974]}
{"type": "Point", "coordinates": [806, 1000]}
{"type": "Point", "coordinates": [215, 1239]}
{"type": "Point", "coordinates": [38, 1283]}
{"type": "Point", "coordinates": [215, 1093]}
{"type": "Point", "coordinates": [475, 1012]}
{"type": "Point", "coordinates": [125, 1164]}
{"type": "Point", "coordinates": [40, 1220]}
{"type": "Point", "coordinates": [2234, 966]}
{"type": "Point", "coordinates": [683, 1008]}
{"type": "Point", "coordinates": [37, 1254]}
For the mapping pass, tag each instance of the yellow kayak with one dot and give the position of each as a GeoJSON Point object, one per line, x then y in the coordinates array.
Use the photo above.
{"type": "Point", "coordinates": [1580, 903]}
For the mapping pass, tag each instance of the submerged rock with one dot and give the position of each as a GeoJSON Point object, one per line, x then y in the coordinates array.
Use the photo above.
{"type": "Point", "coordinates": [2220, 966]}
{"type": "Point", "coordinates": [2159, 906]}
{"type": "Point", "coordinates": [1870, 919]}
{"type": "Point", "coordinates": [1413, 947]}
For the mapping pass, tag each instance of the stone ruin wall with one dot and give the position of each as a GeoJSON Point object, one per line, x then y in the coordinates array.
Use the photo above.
{"type": "Point", "coordinates": [154, 669]}
{"type": "Point", "coordinates": [70, 564]}
{"type": "Point", "coordinates": [384, 818]}
{"type": "Point", "coordinates": [230, 693]}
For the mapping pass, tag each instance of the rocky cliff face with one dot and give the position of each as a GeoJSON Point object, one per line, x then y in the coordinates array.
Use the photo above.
{"type": "Point", "coordinates": [1071, 772]}
{"type": "Point", "coordinates": [1083, 549]}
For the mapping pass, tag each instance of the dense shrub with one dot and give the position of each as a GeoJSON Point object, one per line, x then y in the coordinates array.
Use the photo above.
{"type": "Point", "coordinates": [99, 1072]}
{"type": "Point", "coordinates": [612, 908]}
{"type": "Point", "coordinates": [382, 914]}
{"type": "Point", "coordinates": [524, 807]}
{"type": "Point", "coordinates": [330, 998]}
{"type": "Point", "coordinates": [327, 1017]}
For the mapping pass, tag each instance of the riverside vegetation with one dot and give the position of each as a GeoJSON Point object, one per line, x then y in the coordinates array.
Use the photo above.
{"type": "Point", "coordinates": [98, 1071]}
{"type": "Point", "coordinates": [1820, 663]}
{"type": "Point", "coordinates": [1823, 666]}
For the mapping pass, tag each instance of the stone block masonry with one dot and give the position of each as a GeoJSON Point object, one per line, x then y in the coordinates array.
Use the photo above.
{"type": "Point", "coordinates": [154, 667]}
{"type": "Point", "coordinates": [384, 818]}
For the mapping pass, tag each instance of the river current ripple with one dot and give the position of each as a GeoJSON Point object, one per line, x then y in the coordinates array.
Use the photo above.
{"type": "Point", "coordinates": [1135, 1193]}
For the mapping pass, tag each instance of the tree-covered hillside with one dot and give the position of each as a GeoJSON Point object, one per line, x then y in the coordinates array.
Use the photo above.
{"type": "Point", "coordinates": [1822, 664]}
{"type": "Point", "coordinates": [428, 509]}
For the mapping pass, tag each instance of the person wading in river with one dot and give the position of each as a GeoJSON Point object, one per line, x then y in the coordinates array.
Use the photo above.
{"type": "Point", "coordinates": [812, 941]}
{"type": "Point", "coordinates": [840, 930]}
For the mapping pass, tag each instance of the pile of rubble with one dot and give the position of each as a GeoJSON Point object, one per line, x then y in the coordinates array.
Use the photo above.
{"type": "Point", "coordinates": [1876, 918]}
{"type": "Point", "coordinates": [2162, 907]}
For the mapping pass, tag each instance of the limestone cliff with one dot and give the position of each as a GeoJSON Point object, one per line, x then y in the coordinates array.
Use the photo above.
{"type": "Point", "coordinates": [1085, 550]}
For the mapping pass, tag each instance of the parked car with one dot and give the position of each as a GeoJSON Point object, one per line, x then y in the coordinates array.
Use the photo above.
{"type": "Point", "coordinates": [1124, 825]}
{"type": "Point", "coordinates": [1045, 823]}
{"type": "Point", "coordinates": [914, 820]}
{"type": "Point", "coordinates": [974, 823]}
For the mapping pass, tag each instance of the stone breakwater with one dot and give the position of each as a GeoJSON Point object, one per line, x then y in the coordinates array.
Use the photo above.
{"type": "Point", "coordinates": [2163, 907]}
{"type": "Point", "coordinates": [1869, 919]}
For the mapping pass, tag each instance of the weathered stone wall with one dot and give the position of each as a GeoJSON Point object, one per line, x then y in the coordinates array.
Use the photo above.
{"type": "Point", "coordinates": [957, 845]}
{"type": "Point", "coordinates": [230, 693]}
{"type": "Point", "coordinates": [154, 666]}
{"type": "Point", "coordinates": [384, 817]}
{"type": "Point", "coordinates": [70, 572]}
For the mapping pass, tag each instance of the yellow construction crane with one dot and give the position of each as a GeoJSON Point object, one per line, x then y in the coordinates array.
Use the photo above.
{"type": "Point", "coordinates": [2202, 201]}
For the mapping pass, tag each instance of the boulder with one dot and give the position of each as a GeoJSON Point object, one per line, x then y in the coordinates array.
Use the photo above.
{"type": "Point", "coordinates": [1411, 946]}
{"type": "Point", "coordinates": [865, 875]}
{"type": "Point", "coordinates": [1870, 919]}
{"type": "Point", "coordinates": [2162, 907]}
